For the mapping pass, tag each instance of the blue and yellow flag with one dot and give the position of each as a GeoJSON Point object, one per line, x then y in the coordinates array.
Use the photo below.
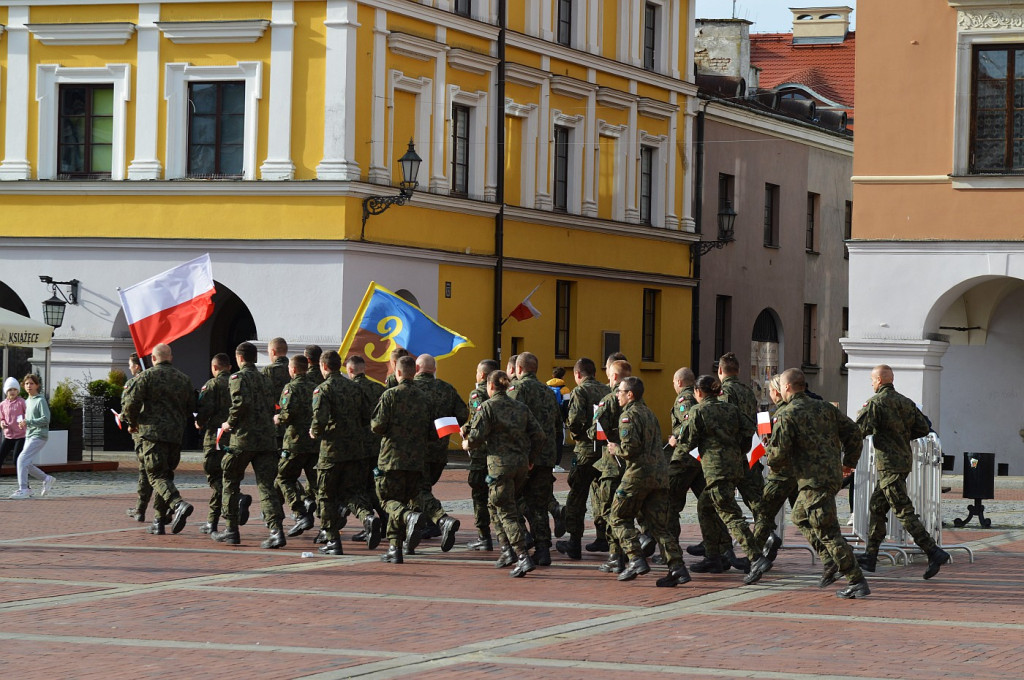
{"type": "Point", "coordinates": [385, 322]}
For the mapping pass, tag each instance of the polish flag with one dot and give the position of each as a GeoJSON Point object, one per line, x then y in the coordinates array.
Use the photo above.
{"type": "Point", "coordinates": [117, 419]}
{"type": "Point", "coordinates": [756, 450]}
{"type": "Point", "coordinates": [525, 309]}
{"type": "Point", "coordinates": [764, 423]}
{"type": "Point", "coordinates": [446, 426]}
{"type": "Point", "coordinates": [695, 452]}
{"type": "Point", "coordinates": [601, 436]}
{"type": "Point", "coordinates": [169, 305]}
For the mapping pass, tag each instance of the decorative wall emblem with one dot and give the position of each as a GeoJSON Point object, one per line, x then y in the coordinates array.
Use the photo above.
{"type": "Point", "coordinates": [989, 19]}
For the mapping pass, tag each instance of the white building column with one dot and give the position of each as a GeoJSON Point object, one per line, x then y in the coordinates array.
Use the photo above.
{"type": "Point", "coordinates": [439, 182]}
{"type": "Point", "coordinates": [632, 158]}
{"type": "Point", "coordinates": [589, 206]}
{"type": "Point", "coordinates": [544, 131]}
{"type": "Point", "coordinates": [278, 165]}
{"type": "Point", "coordinates": [671, 217]}
{"type": "Point", "coordinates": [687, 221]}
{"type": "Point", "coordinates": [379, 172]}
{"type": "Point", "coordinates": [15, 165]}
{"type": "Point", "coordinates": [339, 92]}
{"type": "Point", "coordinates": [146, 165]}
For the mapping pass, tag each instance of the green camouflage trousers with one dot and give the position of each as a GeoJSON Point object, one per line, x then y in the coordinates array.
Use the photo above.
{"type": "Point", "coordinates": [537, 491]}
{"type": "Point", "coordinates": [426, 502]}
{"type": "Point", "coordinates": [289, 467]}
{"type": "Point", "coordinates": [682, 479]}
{"type": "Point", "coordinates": [816, 517]}
{"type": "Point", "coordinates": [479, 491]}
{"type": "Point", "coordinates": [720, 496]}
{"type": "Point", "coordinates": [582, 475]}
{"type": "Point", "coordinates": [143, 489]}
{"type": "Point", "coordinates": [503, 489]}
{"type": "Point", "coordinates": [215, 478]}
{"type": "Point", "coordinates": [630, 502]}
{"type": "Point", "coordinates": [160, 460]}
{"type": "Point", "coordinates": [264, 466]}
{"type": "Point", "coordinates": [397, 490]}
{"type": "Point", "coordinates": [352, 493]}
{"type": "Point", "coordinates": [891, 492]}
{"type": "Point", "coordinates": [604, 495]}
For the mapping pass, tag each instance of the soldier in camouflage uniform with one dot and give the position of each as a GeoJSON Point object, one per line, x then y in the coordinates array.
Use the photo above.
{"type": "Point", "coordinates": [404, 419]}
{"type": "Point", "coordinates": [157, 405]}
{"type": "Point", "coordinates": [539, 486]}
{"type": "Point", "coordinates": [715, 427]}
{"type": "Point", "coordinates": [313, 354]}
{"type": "Point", "coordinates": [340, 410]}
{"type": "Point", "coordinates": [478, 462]}
{"type": "Point", "coordinates": [514, 440]}
{"type": "Point", "coordinates": [895, 421]}
{"type": "Point", "coordinates": [684, 471]}
{"type": "Point", "coordinates": [251, 424]}
{"type": "Point", "coordinates": [644, 487]}
{"type": "Point", "coordinates": [277, 371]}
{"type": "Point", "coordinates": [214, 404]}
{"type": "Point", "coordinates": [812, 438]}
{"type": "Point", "coordinates": [392, 378]}
{"type": "Point", "coordinates": [143, 490]}
{"type": "Point", "coordinates": [584, 398]}
{"type": "Point", "coordinates": [446, 402]}
{"type": "Point", "coordinates": [297, 448]}
{"type": "Point", "coordinates": [355, 367]}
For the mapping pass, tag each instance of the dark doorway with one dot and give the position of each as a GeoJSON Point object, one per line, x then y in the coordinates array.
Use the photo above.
{"type": "Point", "coordinates": [18, 364]}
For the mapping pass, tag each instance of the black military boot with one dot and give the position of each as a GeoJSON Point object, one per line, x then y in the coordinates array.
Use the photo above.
{"type": "Point", "coordinates": [181, 513]}
{"type": "Point", "coordinates": [393, 555]}
{"type": "Point", "coordinates": [573, 548]}
{"type": "Point", "coordinates": [676, 576]}
{"type": "Point", "coordinates": [449, 527]}
{"type": "Point", "coordinates": [359, 536]}
{"type": "Point", "coordinates": [615, 565]}
{"type": "Point", "coordinates": [414, 524]}
{"type": "Point", "coordinates": [157, 527]}
{"type": "Point", "coordinates": [868, 561]}
{"type": "Point", "coordinates": [771, 547]}
{"type": "Point", "coordinates": [321, 537]}
{"type": "Point", "coordinates": [936, 558]}
{"type": "Point", "coordinates": [854, 590]}
{"type": "Point", "coordinates": [431, 530]}
{"type": "Point", "coordinates": [759, 568]}
{"type": "Point", "coordinates": [542, 556]}
{"type": "Point", "coordinates": [529, 541]}
{"type": "Point", "coordinates": [599, 545]}
{"type": "Point", "coordinates": [229, 536]}
{"type": "Point", "coordinates": [482, 542]}
{"type": "Point", "coordinates": [708, 565]}
{"type": "Point", "coordinates": [696, 550]}
{"type": "Point", "coordinates": [637, 567]}
{"type": "Point", "coordinates": [828, 575]}
{"type": "Point", "coordinates": [209, 527]}
{"type": "Point", "coordinates": [647, 545]}
{"type": "Point", "coordinates": [372, 529]}
{"type": "Point", "coordinates": [244, 501]}
{"type": "Point", "coordinates": [333, 546]}
{"type": "Point", "coordinates": [137, 514]}
{"type": "Point", "coordinates": [506, 558]}
{"type": "Point", "coordinates": [558, 515]}
{"type": "Point", "coordinates": [738, 563]}
{"type": "Point", "coordinates": [301, 524]}
{"type": "Point", "coordinates": [524, 565]}
{"type": "Point", "coordinates": [275, 540]}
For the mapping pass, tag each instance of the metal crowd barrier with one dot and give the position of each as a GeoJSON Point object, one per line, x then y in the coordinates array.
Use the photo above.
{"type": "Point", "coordinates": [923, 487]}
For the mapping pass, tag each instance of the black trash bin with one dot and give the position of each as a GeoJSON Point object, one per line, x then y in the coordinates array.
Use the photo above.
{"type": "Point", "coordinates": [979, 484]}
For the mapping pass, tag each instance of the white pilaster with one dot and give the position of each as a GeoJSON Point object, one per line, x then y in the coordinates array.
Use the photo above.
{"type": "Point", "coordinates": [544, 131]}
{"type": "Point", "coordinates": [339, 92]}
{"type": "Point", "coordinates": [146, 165]}
{"type": "Point", "coordinates": [669, 156]}
{"type": "Point", "coordinates": [687, 223]}
{"type": "Point", "coordinates": [632, 209]}
{"type": "Point", "coordinates": [588, 207]}
{"type": "Point", "coordinates": [15, 164]}
{"type": "Point", "coordinates": [379, 173]}
{"type": "Point", "coordinates": [674, 38]}
{"type": "Point", "coordinates": [636, 33]}
{"type": "Point", "coordinates": [439, 182]}
{"type": "Point", "coordinates": [593, 26]}
{"type": "Point", "coordinates": [278, 165]}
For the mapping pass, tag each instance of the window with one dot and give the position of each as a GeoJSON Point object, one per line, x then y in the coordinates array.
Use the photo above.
{"type": "Point", "coordinates": [463, 7]}
{"type": "Point", "coordinates": [563, 33]}
{"type": "Point", "coordinates": [726, 183]}
{"type": "Point", "coordinates": [723, 323]}
{"type": "Point", "coordinates": [646, 183]}
{"type": "Point", "coordinates": [563, 311]}
{"type": "Point", "coordinates": [809, 356]}
{"type": "Point", "coordinates": [460, 150]}
{"type": "Point", "coordinates": [85, 123]}
{"type": "Point", "coordinates": [997, 110]}
{"type": "Point", "coordinates": [771, 215]}
{"type": "Point", "coordinates": [560, 197]}
{"type": "Point", "coordinates": [812, 218]}
{"type": "Point", "coordinates": [847, 227]}
{"type": "Point", "coordinates": [649, 332]}
{"type": "Point", "coordinates": [846, 334]}
{"type": "Point", "coordinates": [650, 35]}
{"type": "Point", "coordinates": [216, 124]}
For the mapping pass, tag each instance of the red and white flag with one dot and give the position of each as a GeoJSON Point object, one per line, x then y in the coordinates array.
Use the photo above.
{"type": "Point", "coordinates": [169, 305]}
{"type": "Point", "coordinates": [756, 450]}
{"type": "Point", "coordinates": [764, 423]}
{"type": "Point", "coordinates": [601, 436]}
{"type": "Point", "coordinates": [695, 452]}
{"type": "Point", "coordinates": [525, 309]}
{"type": "Point", "coordinates": [446, 426]}
{"type": "Point", "coordinates": [117, 419]}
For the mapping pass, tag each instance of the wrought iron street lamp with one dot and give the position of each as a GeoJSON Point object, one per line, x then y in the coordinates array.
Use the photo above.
{"type": "Point", "coordinates": [375, 205]}
{"type": "Point", "coordinates": [726, 223]}
{"type": "Point", "coordinates": [53, 309]}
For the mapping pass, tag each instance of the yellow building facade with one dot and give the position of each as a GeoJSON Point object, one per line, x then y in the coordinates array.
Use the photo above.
{"type": "Point", "coordinates": [134, 137]}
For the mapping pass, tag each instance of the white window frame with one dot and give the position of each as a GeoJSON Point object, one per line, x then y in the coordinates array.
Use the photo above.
{"type": "Point", "coordinates": [49, 78]}
{"type": "Point", "coordinates": [476, 102]}
{"type": "Point", "coordinates": [659, 144]}
{"type": "Point", "coordinates": [423, 89]}
{"type": "Point", "coordinates": [574, 188]}
{"type": "Point", "coordinates": [662, 34]}
{"type": "Point", "coordinates": [177, 76]}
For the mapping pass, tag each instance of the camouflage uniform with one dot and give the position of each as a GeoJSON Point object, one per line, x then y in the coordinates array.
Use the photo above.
{"type": "Point", "coordinates": [751, 485]}
{"type": "Point", "coordinates": [446, 403]}
{"type": "Point", "coordinates": [478, 465]}
{"type": "Point", "coordinates": [644, 485]}
{"type": "Point", "coordinates": [279, 377]}
{"type": "Point", "coordinates": [809, 437]}
{"type": "Point", "coordinates": [540, 482]}
{"type": "Point", "coordinates": [895, 421]}
{"type": "Point", "coordinates": [583, 474]}
{"type": "Point", "coordinates": [684, 471]}
{"type": "Point", "coordinates": [513, 438]}
{"type": "Point", "coordinates": [159, 402]}
{"type": "Point", "coordinates": [251, 418]}
{"type": "Point", "coordinates": [716, 427]}
{"type": "Point", "coordinates": [298, 447]}
{"type": "Point", "coordinates": [371, 442]}
{"type": "Point", "coordinates": [212, 411]}
{"type": "Point", "coordinates": [144, 490]}
{"type": "Point", "coordinates": [404, 419]}
{"type": "Point", "coordinates": [340, 411]}
{"type": "Point", "coordinates": [610, 467]}
{"type": "Point", "coordinates": [314, 373]}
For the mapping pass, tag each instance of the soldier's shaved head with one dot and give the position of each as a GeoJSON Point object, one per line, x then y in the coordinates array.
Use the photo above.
{"type": "Point", "coordinates": [685, 377]}
{"type": "Point", "coordinates": [221, 360]}
{"type": "Point", "coordinates": [300, 363]}
{"type": "Point", "coordinates": [331, 361]}
{"type": "Point", "coordinates": [526, 363]}
{"type": "Point", "coordinates": [884, 374]}
{"type": "Point", "coordinates": [246, 351]}
{"type": "Point", "coordinates": [162, 353]}
{"type": "Point", "coordinates": [794, 378]}
{"type": "Point", "coordinates": [729, 364]}
{"type": "Point", "coordinates": [426, 363]}
{"type": "Point", "coordinates": [278, 346]}
{"type": "Point", "coordinates": [620, 369]}
{"type": "Point", "coordinates": [585, 367]}
{"type": "Point", "coordinates": [405, 368]}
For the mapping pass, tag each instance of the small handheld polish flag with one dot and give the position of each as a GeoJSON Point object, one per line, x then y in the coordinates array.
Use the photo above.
{"type": "Point", "coordinates": [446, 426]}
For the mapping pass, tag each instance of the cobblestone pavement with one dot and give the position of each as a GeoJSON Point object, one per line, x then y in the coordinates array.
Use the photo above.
{"type": "Point", "coordinates": [86, 593]}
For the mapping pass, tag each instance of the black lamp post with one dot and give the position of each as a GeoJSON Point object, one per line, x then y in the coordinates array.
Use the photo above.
{"type": "Point", "coordinates": [375, 205]}
{"type": "Point", "coordinates": [726, 223]}
{"type": "Point", "coordinates": [54, 308]}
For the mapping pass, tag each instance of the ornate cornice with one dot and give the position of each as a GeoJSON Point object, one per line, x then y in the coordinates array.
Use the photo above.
{"type": "Point", "coordinates": [987, 19]}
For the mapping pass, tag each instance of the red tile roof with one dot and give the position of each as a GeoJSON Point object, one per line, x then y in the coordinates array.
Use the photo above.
{"type": "Point", "coordinates": [826, 69]}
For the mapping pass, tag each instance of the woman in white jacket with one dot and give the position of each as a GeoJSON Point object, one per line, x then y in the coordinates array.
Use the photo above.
{"type": "Point", "coordinates": [37, 424]}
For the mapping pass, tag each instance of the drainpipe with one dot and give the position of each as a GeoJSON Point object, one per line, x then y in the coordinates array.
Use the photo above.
{"type": "Point", "coordinates": [499, 158]}
{"type": "Point", "coordinates": [698, 213]}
